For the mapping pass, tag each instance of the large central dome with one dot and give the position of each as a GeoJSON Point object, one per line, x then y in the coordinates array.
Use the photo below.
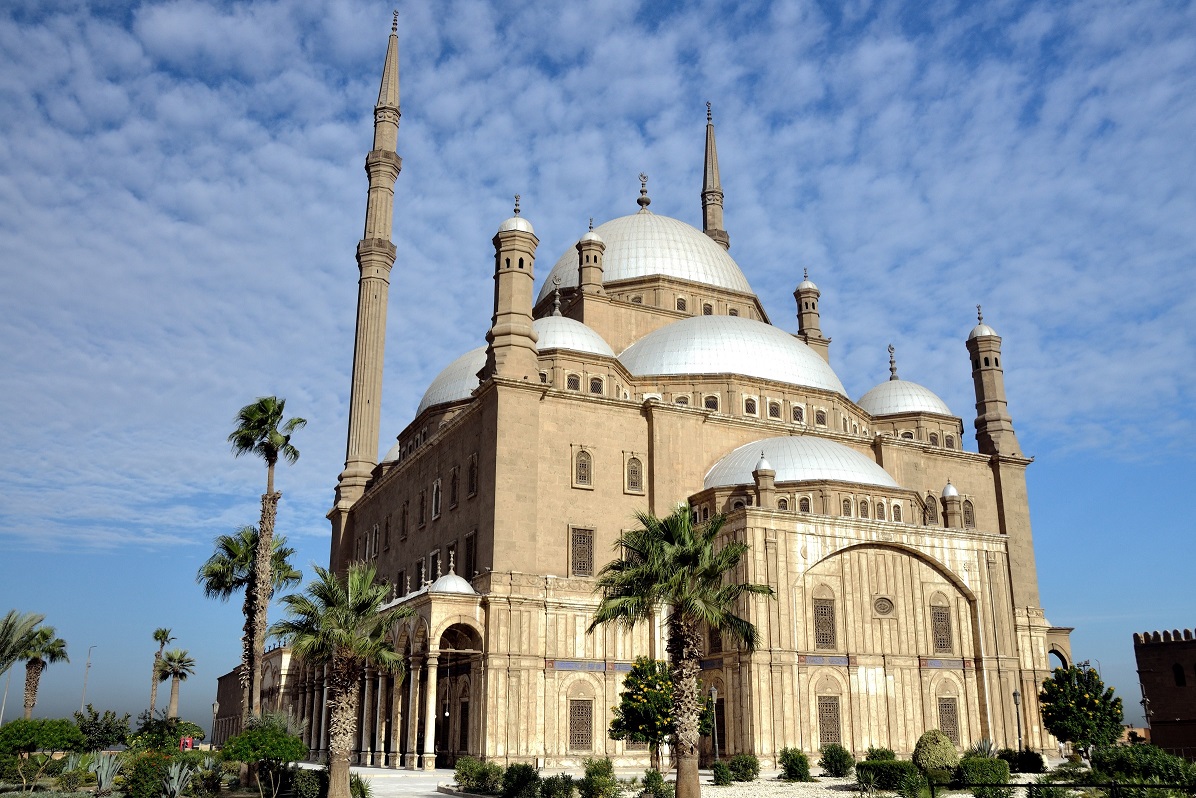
{"type": "Point", "coordinates": [645, 244]}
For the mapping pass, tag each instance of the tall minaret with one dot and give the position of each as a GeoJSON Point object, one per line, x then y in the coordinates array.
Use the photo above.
{"type": "Point", "coordinates": [994, 427]}
{"type": "Point", "coordinates": [808, 326]}
{"type": "Point", "coordinates": [375, 257]}
{"type": "Point", "coordinates": [712, 190]}
{"type": "Point", "coordinates": [511, 340]}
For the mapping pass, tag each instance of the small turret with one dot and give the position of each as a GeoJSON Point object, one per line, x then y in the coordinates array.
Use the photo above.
{"type": "Point", "coordinates": [765, 477]}
{"type": "Point", "coordinates": [712, 189]}
{"type": "Point", "coordinates": [590, 249]}
{"type": "Point", "coordinates": [511, 341]}
{"type": "Point", "coordinates": [806, 294]}
{"type": "Point", "coordinates": [994, 427]}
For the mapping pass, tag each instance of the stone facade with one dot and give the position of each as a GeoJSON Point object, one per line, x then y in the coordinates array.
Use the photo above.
{"type": "Point", "coordinates": [277, 694]}
{"type": "Point", "coordinates": [1167, 673]}
{"type": "Point", "coordinates": [903, 565]}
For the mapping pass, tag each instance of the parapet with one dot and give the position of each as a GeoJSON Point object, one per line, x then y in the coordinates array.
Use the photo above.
{"type": "Point", "coordinates": [1173, 636]}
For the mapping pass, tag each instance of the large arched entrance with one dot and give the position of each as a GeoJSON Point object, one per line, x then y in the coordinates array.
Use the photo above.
{"type": "Point", "coordinates": [458, 694]}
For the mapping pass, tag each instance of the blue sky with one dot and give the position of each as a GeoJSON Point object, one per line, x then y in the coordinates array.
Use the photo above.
{"type": "Point", "coordinates": [181, 193]}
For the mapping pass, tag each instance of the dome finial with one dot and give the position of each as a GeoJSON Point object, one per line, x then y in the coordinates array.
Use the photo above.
{"type": "Point", "coordinates": [394, 25]}
{"type": "Point", "coordinates": [516, 204]}
{"type": "Point", "coordinates": [644, 201]}
{"type": "Point", "coordinates": [709, 115]}
{"type": "Point", "coordinates": [452, 561]}
{"type": "Point", "coordinates": [556, 296]}
{"type": "Point", "coordinates": [591, 222]}
{"type": "Point", "coordinates": [892, 363]}
{"type": "Point", "coordinates": [979, 315]}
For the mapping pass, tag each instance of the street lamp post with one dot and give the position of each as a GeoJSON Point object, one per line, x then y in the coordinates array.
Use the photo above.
{"type": "Point", "coordinates": [1017, 711]}
{"type": "Point", "coordinates": [714, 705]}
{"type": "Point", "coordinates": [86, 670]}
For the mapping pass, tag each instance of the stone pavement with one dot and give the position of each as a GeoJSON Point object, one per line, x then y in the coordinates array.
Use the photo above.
{"type": "Point", "coordinates": [388, 783]}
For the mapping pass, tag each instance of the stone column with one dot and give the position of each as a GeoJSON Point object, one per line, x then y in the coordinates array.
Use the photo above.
{"type": "Point", "coordinates": [304, 706]}
{"type": "Point", "coordinates": [396, 722]}
{"type": "Point", "coordinates": [429, 761]}
{"type": "Point", "coordinates": [323, 711]}
{"type": "Point", "coordinates": [366, 751]}
{"type": "Point", "coordinates": [413, 714]}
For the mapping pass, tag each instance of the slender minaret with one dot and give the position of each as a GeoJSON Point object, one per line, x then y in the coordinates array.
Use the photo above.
{"type": "Point", "coordinates": [511, 341]}
{"type": "Point", "coordinates": [994, 426]}
{"type": "Point", "coordinates": [590, 249]}
{"type": "Point", "coordinates": [712, 190]}
{"type": "Point", "coordinates": [806, 294]}
{"type": "Point", "coordinates": [375, 257]}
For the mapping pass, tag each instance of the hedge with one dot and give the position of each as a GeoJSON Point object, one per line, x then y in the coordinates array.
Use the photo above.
{"type": "Point", "coordinates": [886, 774]}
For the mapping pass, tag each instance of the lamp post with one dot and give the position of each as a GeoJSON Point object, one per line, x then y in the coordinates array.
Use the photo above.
{"type": "Point", "coordinates": [215, 712]}
{"type": "Point", "coordinates": [714, 707]}
{"type": "Point", "coordinates": [86, 670]}
{"type": "Point", "coordinates": [1017, 711]}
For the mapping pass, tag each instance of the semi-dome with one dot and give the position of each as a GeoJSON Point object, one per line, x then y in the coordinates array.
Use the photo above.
{"type": "Point", "coordinates": [644, 244]}
{"type": "Point", "coordinates": [392, 453]}
{"type": "Point", "coordinates": [561, 332]}
{"type": "Point", "coordinates": [456, 382]}
{"type": "Point", "coordinates": [798, 459]}
{"type": "Point", "coordinates": [729, 345]}
{"type": "Point", "coordinates": [894, 397]}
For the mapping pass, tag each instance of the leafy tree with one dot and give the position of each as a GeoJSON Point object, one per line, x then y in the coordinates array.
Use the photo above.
{"type": "Point", "coordinates": [672, 564]}
{"type": "Point", "coordinates": [175, 665]}
{"type": "Point", "coordinates": [162, 734]}
{"type": "Point", "coordinates": [1078, 708]}
{"type": "Point", "coordinates": [16, 631]}
{"type": "Point", "coordinates": [102, 731]}
{"type": "Point", "coordinates": [645, 710]}
{"type": "Point", "coordinates": [267, 746]}
{"type": "Point", "coordinates": [162, 638]}
{"type": "Point", "coordinates": [25, 738]}
{"type": "Point", "coordinates": [261, 431]}
{"type": "Point", "coordinates": [338, 621]}
{"type": "Point", "coordinates": [230, 570]}
{"type": "Point", "coordinates": [44, 649]}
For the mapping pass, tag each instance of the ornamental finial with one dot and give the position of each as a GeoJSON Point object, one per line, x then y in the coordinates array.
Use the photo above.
{"type": "Point", "coordinates": [452, 559]}
{"type": "Point", "coordinates": [709, 116]}
{"type": "Point", "coordinates": [556, 295]}
{"type": "Point", "coordinates": [892, 363]}
{"type": "Point", "coordinates": [805, 274]}
{"type": "Point", "coordinates": [979, 315]}
{"type": "Point", "coordinates": [591, 223]}
{"type": "Point", "coordinates": [643, 201]}
{"type": "Point", "coordinates": [516, 204]}
{"type": "Point", "coordinates": [394, 25]}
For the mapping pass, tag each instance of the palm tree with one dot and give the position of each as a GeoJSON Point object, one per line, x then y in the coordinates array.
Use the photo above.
{"type": "Point", "coordinates": [16, 632]}
{"type": "Point", "coordinates": [44, 649]}
{"type": "Point", "coordinates": [230, 570]}
{"type": "Point", "coordinates": [175, 665]}
{"type": "Point", "coordinates": [339, 622]}
{"type": "Point", "coordinates": [258, 432]}
{"type": "Point", "coordinates": [672, 564]}
{"type": "Point", "coordinates": [162, 638]}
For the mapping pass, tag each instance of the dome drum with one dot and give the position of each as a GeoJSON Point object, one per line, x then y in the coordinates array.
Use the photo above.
{"type": "Point", "coordinates": [822, 500]}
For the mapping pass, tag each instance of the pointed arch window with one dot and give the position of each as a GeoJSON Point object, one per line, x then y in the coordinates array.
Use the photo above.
{"type": "Point", "coordinates": [932, 509]}
{"type": "Point", "coordinates": [635, 474]}
{"type": "Point", "coordinates": [799, 414]}
{"type": "Point", "coordinates": [863, 508]}
{"type": "Point", "coordinates": [969, 514]}
{"type": "Point", "coordinates": [880, 511]}
{"type": "Point", "coordinates": [824, 624]}
{"type": "Point", "coordinates": [435, 500]}
{"type": "Point", "coordinates": [804, 504]}
{"type": "Point", "coordinates": [583, 469]}
{"type": "Point", "coordinates": [897, 513]}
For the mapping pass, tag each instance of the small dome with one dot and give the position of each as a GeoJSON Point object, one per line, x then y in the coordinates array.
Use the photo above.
{"type": "Point", "coordinates": [981, 330]}
{"type": "Point", "coordinates": [392, 453]}
{"type": "Point", "coordinates": [763, 465]}
{"type": "Point", "coordinates": [591, 236]}
{"type": "Point", "coordinates": [805, 285]}
{"type": "Point", "coordinates": [644, 244]}
{"type": "Point", "coordinates": [894, 397]}
{"type": "Point", "coordinates": [949, 491]}
{"type": "Point", "coordinates": [456, 382]}
{"type": "Point", "coordinates": [451, 583]}
{"type": "Point", "coordinates": [560, 332]}
{"type": "Point", "coordinates": [516, 223]}
{"type": "Point", "coordinates": [729, 345]}
{"type": "Point", "coordinates": [798, 459]}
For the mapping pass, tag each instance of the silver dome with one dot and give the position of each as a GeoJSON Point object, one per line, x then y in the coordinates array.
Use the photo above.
{"type": "Point", "coordinates": [900, 396]}
{"type": "Point", "coordinates": [392, 453]}
{"type": "Point", "coordinates": [560, 332]}
{"type": "Point", "coordinates": [456, 382]}
{"type": "Point", "coordinates": [806, 285]}
{"type": "Point", "coordinates": [981, 330]}
{"type": "Point", "coordinates": [451, 583]}
{"type": "Point", "coordinates": [950, 491]}
{"type": "Point", "coordinates": [516, 223]}
{"type": "Point", "coordinates": [645, 244]}
{"type": "Point", "coordinates": [729, 345]}
{"type": "Point", "coordinates": [798, 459]}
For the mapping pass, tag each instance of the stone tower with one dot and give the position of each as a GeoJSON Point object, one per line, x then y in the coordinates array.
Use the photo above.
{"type": "Point", "coordinates": [589, 262]}
{"type": "Point", "coordinates": [712, 189]}
{"type": "Point", "coordinates": [807, 295]}
{"type": "Point", "coordinates": [511, 341]}
{"type": "Point", "coordinates": [375, 258]}
{"type": "Point", "coordinates": [994, 427]}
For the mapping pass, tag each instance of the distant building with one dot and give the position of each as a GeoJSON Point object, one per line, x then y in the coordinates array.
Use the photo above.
{"type": "Point", "coordinates": [226, 720]}
{"type": "Point", "coordinates": [1167, 673]}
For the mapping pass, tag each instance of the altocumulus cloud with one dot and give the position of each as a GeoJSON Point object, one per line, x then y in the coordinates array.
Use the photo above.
{"type": "Point", "coordinates": [180, 195]}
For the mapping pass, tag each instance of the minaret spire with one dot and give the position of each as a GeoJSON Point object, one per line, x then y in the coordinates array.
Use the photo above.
{"type": "Point", "coordinates": [375, 258]}
{"type": "Point", "coordinates": [892, 364]}
{"type": "Point", "coordinates": [712, 189]}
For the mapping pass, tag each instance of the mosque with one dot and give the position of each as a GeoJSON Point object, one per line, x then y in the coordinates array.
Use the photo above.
{"type": "Point", "coordinates": [645, 373]}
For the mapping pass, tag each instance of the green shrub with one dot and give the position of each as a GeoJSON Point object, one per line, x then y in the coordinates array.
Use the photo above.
{"type": "Point", "coordinates": [722, 774]}
{"type": "Point", "coordinates": [880, 755]}
{"type": "Point", "coordinates": [309, 782]}
{"type": "Point", "coordinates": [981, 770]}
{"type": "Point", "coordinates": [795, 766]}
{"type": "Point", "coordinates": [144, 773]}
{"type": "Point", "coordinates": [558, 786]}
{"type": "Point", "coordinates": [1043, 789]}
{"type": "Point", "coordinates": [599, 780]}
{"type": "Point", "coordinates": [744, 767]}
{"type": "Point", "coordinates": [935, 751]}
{"type": "Point", "coordinates": [1140, 763]}
{"type": "Point", "coordinates": [1028, 761]}
{"type": "Point", "coordinates": [836, 760]}
{"type": "Point", "coordinates": [474, 775]}
{"type": "Point", "coordinates": [520, 781]}
{"type": "Point", "coordinates": [886, 774]}
{"type": "Point", "coordinates": [360, 787]}
{"type": "Point", "coordinates": [655, 786]}
{"type": "Point", "coordinates": [913, 785]}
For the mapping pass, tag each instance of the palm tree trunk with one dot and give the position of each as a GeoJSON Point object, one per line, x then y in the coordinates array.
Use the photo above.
{"type": "Point", "coordinates": [154, 683]}
{"type": "Point", "coordinates": [245, 677]}
{"type": "Point", "coordinates": [33, 674]}
{"type": "Point", "coordinates": [261, 585]}
{"type": "Point", "coordinates": [684, 651]}
{"type": "Point", "coordinates": [173, 711]}
{"type": "Point", "coordinates": [342, 726]}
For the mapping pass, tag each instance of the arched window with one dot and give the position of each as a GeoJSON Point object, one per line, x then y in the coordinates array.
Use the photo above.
{"type": "Point", "coordinates": [824, 623]}
{"type": "Point", "coordinates": [774, 410]}
{"type": "Point", "coordinates": [845, 423]}
{"type": "Point", "coordinates": [950, 441]}
{"type": "Point", "coordinates": [985, 361]}
{"type": "Point", "coordinates": [799, 415]}
{"type": "Point", "coordinates": [863, 508]}
{"type": "Point", "coordinates": [880, 511]}
{"type": "Point", "coordinates": [847, 507]}
{"type": "Point", "coordinates": [680, 303]}
{"type": "Point", "coordinates": [543, 377]}
{"type": "Point", "coordinates": [940, 622]}
{"type": "Point", "coordinates": [710, 403]}
{"type": "Point", "coordinates": [454, 487]}
{"type": "Point", "coordinates": [635, 474]}
{"type": "Point", "coordinates": [909, 436]}
{"type": "Point", "coordinates": [583, 469]}
{"type": "Point", "coordinates": [681, 400]}
{"type": "Point", "coordinates": [934, 439]}
{"type": "Point", "coordinates": [738, 505]}
{"type": "Point", "coordinates": [596, 385]}
{"type": "Point", "coordinates": [436, 499]}
{"type": "Point", "coordinates": [1181, 678]}
{"type": "Point", "coordinates": [749, 406]}
{"type": "Point", "coordinates": [932, 509]}
{"type": "Point", "coordinates": [473, 474]}
{"type": "Point", "coordinates": [732, 312]}
{"type": "Point", "coordinates": [897, 513]}
{"type": "Point", "coordinates": [637, 300]}
{"type": "Point", "coordinates": [707, 309]}
{"type": "Point", "coordinates": [804, 504]}
{"type": "Point", "coordinates": [969, 514]}
{"type": "Point", "coordinates": [715, 645]}
{"type": "Point", "coordinates": [782, 504]}
{"type": "Point", "coordinates": [820, 418]}
{"type": "Point", "coordinates": [573, 382]}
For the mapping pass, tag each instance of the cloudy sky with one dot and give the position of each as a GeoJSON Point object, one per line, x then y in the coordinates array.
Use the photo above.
{"type": "Point", "coordinates": [181, 192]}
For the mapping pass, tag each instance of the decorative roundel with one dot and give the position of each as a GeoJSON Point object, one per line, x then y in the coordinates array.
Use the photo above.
{"type": "Point", "coordinates": [883, 606]}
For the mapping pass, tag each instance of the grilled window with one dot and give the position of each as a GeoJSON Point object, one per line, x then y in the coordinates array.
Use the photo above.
{"type": "Point", "coordinates": [829, 729]}
{"type": "Point", "coordinates": [543, 377]}
{"type": "Point", "coordinates": [715, 645]}
{"type": "Point", "coordinates": [707, 309]}
{"type": "Point", "coordinates": [581, 552]}
{"type": "Point", "coordinates": [782, 504]}
{"type": "Point", "coordinates": [681, 400]}
{"type": "Point", "coordinates": [847, 507]}
{"type": "Point", "coordinates": [596, 385]}
{"type": "Point", "coordinates": [434, 565]}
{"type": "Point", "coordinates": [907, 436]}
{"type": "Point", "coordinates": [940, 621]}
{"type": "Point", "coordinates": [635, 474]}
{"type": "Point", "coordinates": [969, 514]}
{"type": "Point", "coordinates": [897, 512]}
{"type": "Point", "coordinates": [637, 300]}
{"type": "Point", "coordinates": [732, 312]}
{"type": "Point", "coordinates": [934, 439]}
{"type": "Point", "coordinates": [820, 418]}
{"type": "Point", "coordinates": [680, 303]}
{"type": "Point", "coordinates": [880, 511]}
{"type": "Point", "coordinates": [824, 623]}
{"type": "Point", "coordinates": [799, 415]}
{"type": "Point", "coordinates": [863, 508]}
{"type": "Point", "coordinates": [932, 509]}
{"type": "Point", "coordinates": [804, 504]}
{"type": "Point", "coordinates": [749, 406]}
{"type": "Point", "coordinates": [581, 724]}
{"type": "Point", "coordinates": [774, 410]}
{"type": "Point", "coordinates": [710, 403]}
{"type": "Point", "coordinates": [573, 382]}
{"type": "Point", "coordinates": [950, 441]}
{"type": "Point", "coordinates": [583, 471]}
{"type": "Point", "coordinates": [949, 719]}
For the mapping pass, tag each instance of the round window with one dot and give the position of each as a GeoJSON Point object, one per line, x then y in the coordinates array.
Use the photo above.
{"type": "Point", "coordinates": [883, 606]}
